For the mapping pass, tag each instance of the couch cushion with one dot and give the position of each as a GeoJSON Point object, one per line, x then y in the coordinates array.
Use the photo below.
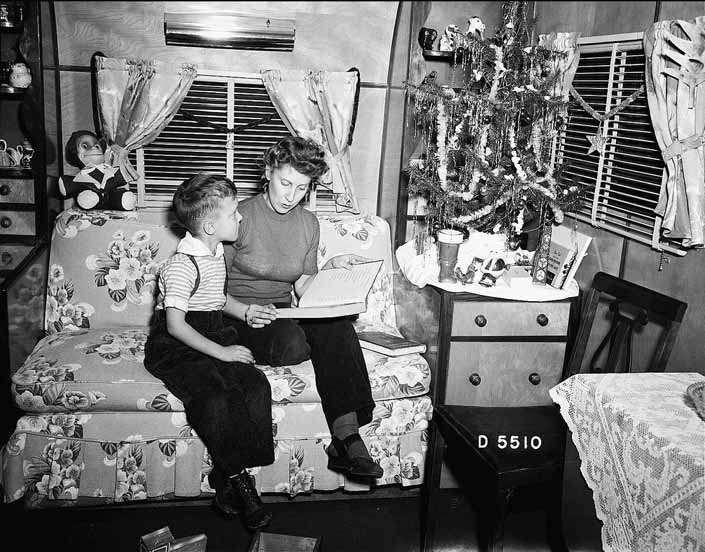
{"type": "Point", "coordinates": [102, 370]}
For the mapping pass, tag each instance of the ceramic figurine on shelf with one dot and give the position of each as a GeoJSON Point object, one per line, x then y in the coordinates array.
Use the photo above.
{"type": "Point", "coordinates": [27, 152]}
{"type": "Point", "coordinates": [97, 184]}
{"type": "Point", "coordinates": [476, 28]}
{"type": "Point", "coordinates": [20, 77]}
{"type": "Point", "coordinates": [491, 269]}
{"type": "Point", "coordinates": [427, 36]}
{"type": "Point", "coordinates": [449, 40]}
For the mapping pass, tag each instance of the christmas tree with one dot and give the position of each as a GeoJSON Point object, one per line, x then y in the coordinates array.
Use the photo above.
{"type": "Point", "coordinates": [488, 159]}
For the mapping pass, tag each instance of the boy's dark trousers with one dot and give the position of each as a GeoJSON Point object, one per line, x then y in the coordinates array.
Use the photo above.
{"type": "Point", "coordinates": [228, 404]}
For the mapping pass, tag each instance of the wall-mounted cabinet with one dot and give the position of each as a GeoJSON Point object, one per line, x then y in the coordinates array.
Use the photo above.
{"type": "Point", "coordinates": [23, 212]}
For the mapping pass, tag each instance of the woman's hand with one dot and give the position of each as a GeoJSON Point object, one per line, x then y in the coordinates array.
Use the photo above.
{"type": "Point", "coordinates": [236, 353]}
{"type": "Point", "coordinates": [346, 260]}
{"type": "Point", "coordinates": [258, 316]}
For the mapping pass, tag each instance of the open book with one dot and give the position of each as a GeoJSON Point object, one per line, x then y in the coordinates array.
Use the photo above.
{"type": "Point", "coordinates": [389, 344]}
{"type": "Point", "coordinates": [335, 292]}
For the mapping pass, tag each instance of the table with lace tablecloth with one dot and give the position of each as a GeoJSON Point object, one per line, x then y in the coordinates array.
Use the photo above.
{"type": "Point", "coordinates": [642, 451]}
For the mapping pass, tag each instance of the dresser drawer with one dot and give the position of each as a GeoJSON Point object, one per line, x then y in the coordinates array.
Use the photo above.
{"type": "Point", "coordinates": [510, 318]}
{"type": "Point", "coordinates": [503, 373]}
{"type": "Point", "coordinates": [20, 223]}
{"type": "Point", "coordinates": [16, 190]}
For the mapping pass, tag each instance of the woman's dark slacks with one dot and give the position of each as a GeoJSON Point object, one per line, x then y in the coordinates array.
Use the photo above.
{"type": "Point", "coordinates": [334, 349]}
{"type": "Point", "coordinates": [228, 404]}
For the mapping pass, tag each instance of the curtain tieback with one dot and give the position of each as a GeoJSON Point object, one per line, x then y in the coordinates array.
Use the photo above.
{"type": "Point", "coordinates": [680, 146]}
{"type": "Point", "coordinates": [332, 161]}
{"type": "Point", "coordinates": [118, 158]}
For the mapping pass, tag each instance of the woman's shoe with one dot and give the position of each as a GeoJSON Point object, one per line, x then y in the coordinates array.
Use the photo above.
{"type": "Point", "coordinates": [356, 466]}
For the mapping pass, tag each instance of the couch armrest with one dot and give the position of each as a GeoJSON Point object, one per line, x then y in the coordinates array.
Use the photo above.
{"type": "Point", "coordinates": [22, 307]}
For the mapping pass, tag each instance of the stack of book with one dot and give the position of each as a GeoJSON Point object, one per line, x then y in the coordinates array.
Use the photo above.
{"type": "Point", "coordinates": [568, 247]}
{"type": "Point", "coordinates": [389, 344]}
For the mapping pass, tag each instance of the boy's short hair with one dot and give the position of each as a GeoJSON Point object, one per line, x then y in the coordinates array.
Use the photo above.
{"type": "Point", "coordinates": [198, 196]}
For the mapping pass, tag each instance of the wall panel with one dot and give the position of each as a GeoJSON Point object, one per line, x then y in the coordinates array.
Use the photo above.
{"type": "Point", "coordinates": [365, 152]}
{"type": "Point", "coordinates": [678, 9]}
{"type": "Point", "coordinates": [333, 36]}
{"type": "Point", "coordinates": [332, 40]}
{"type": "Point", "coordinates": [76, 111]}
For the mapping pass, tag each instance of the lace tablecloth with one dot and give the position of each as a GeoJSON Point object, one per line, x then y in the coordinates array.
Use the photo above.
{"type": "Point", "coordinates": [642, 452]}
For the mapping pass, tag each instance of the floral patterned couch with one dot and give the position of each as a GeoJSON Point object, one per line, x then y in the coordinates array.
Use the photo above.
{"type": "Point", "coordinates": [98, 428]}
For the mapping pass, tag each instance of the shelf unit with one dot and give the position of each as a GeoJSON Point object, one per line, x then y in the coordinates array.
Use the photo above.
{"type": "Point", "coordinates": [440, 55]}
{"type": "Point", "coordinates": [23, 206]}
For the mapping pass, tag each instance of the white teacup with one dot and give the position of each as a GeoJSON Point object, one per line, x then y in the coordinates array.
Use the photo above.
{"type": "Point", "coordinates": [15, 155]}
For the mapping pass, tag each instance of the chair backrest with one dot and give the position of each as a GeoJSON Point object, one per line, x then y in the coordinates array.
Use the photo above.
{"type": "Point", "coordinates": [104, 264]}
{"type": "Point", "coordinates": [631, 308]}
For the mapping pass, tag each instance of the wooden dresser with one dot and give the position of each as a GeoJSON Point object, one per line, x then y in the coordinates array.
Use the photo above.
{"type": "Point", "coordinates": [492, 352]}
{"type": "Point", "coordinates": [20, 217]}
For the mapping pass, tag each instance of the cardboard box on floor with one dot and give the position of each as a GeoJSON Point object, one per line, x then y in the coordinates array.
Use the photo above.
{"type": "Point", "coordinates": [272, 542]}
{"type": "Point", "coordinates": [162, 540]}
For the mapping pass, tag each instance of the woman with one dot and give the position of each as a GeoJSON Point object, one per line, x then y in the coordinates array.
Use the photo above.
{"type": "Point", "coordinates": [275, 254]}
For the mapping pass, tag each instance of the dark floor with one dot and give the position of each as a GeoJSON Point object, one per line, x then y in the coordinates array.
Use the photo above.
{"type": "Point", "coordinates": [356, 525]}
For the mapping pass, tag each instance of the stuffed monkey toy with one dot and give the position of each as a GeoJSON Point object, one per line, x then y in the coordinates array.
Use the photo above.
{"type": "Point", "coordinates": [97, 184]}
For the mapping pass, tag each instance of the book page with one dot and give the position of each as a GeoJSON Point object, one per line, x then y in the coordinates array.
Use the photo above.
{"type": "Point", "coordinates": [340, 286]}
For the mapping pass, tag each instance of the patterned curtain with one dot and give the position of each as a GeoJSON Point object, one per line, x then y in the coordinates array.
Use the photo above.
{"type": "Point", "coordinates": [675, 90]}
{"type": "Point", "coordinates": [562, 67]}
{"type": "Point", "coordinates": [319, 105]}
{"type": "Point", "coordinates": [136, 100]}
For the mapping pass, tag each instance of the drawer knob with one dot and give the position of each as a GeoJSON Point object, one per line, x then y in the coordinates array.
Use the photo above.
{"type": "Point", "coordinates": [4, 189]}
{"type": "Point", "coordinates": [6, 258]}
{"type": "Point", "coordinates": [5, 222]}
{"type": "Point", "coordinates": [534, 379]}
{"type": "Point", "coordinates": [475, 379]}
{"type": "Point", "coordinates": [542, 319]}
{"type": "Point", "coordinates": [480, 320]}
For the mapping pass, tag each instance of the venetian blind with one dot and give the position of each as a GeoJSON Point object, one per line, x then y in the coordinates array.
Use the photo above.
{"type": "Point", "coordinates": [189, 143]}
{"type": "Point", "coordinates": [625, 178]}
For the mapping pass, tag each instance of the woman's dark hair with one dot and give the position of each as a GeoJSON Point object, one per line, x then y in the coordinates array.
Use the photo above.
{"type": "Point", "coordinates": [71, 150]}
{"type": "Point", "coordinates": [198, 196]}
{"type": "Point", "coordinates": [301, 154]}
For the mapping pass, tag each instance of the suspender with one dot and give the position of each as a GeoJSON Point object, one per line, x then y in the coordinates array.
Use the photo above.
{"type": "Point", "coordinates": [198, 276]}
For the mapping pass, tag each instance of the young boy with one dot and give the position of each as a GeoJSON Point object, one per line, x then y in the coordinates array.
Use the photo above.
{"type": "Point", "coordinates": [226, 398]}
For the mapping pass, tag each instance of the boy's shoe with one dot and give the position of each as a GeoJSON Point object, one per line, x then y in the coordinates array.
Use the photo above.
{"type": "Point", "coordinates": [227, 501]}
{"type": "Point", "coordinates": [356, 466]}
{"type": "Point", "coordinates": [254, 514]}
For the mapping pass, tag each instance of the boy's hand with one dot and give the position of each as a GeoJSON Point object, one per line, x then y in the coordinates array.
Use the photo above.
{"type": "Point", "coordinates": [258, 316]}
{"type": "Point", "coordinates": [237, 353]}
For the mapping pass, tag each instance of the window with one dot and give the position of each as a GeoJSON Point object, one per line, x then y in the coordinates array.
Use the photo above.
{"type": "Point", "coordinates": [625, 178]}
{"type": "Point", "coordinates": [196, 139]}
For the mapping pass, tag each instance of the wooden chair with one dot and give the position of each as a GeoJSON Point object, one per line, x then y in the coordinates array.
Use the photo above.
{"type": "Point", "coordinates": [497, 472]}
